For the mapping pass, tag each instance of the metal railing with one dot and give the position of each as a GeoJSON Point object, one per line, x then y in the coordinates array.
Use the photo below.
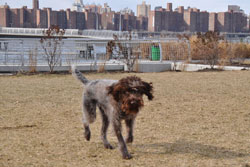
{"type": "Point", "coordinates": [18, 51]}
{"type": "Point", "coordinates": [99, 34]}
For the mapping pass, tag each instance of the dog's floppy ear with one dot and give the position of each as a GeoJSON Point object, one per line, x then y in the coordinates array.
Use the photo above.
{"type": "Point", "coordinates": [115, 90]}
{"type": "Point", "coordinates": [147, 89]}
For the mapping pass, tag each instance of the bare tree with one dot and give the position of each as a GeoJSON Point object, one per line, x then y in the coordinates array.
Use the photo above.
{"type": "Point", "coordinates": [122, 52]}
{"type": "Point", "coordinates": [207, 47]}
{"type": "Point", "coordinates": [51, 43]}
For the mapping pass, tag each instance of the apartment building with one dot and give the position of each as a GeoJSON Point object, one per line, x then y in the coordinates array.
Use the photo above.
{"type": "Point", "coordinates": [143, 9]}
{"type": "Point", "coordinates": [93, 16]}
{"type": "Point", "coordinates": [228, 22]}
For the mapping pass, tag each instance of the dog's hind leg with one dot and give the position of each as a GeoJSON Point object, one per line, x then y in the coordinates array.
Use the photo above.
{"type": "Point", "coordinates": [105, 125]}
{"type": "Point", "coordinates": [89, 116]}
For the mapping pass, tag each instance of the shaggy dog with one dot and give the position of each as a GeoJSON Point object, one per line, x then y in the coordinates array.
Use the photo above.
{"type": "Point", "coordinates": [117, 101]}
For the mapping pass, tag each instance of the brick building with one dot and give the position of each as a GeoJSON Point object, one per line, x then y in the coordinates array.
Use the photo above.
{"type": "Point", "coordinates": [143, 9]}
{"type": "Point", "coordinates": [98, 17]}
{"type": "Point", "coordinates": [5, 16]}
{"type": "Point", "coordinates": [196, 21]}
{"type": "Point", "coordinates": [213, 22]}
{"type": "Point", "coordinates": [40, 18]}
{"type": "Point", "coordinates": [110, 21]}
{"type": "Point", "coordinates": [162, 19]}
{"type": "Point", "coordinates": [142, 23]}
{"type": "Point", "coordinates": [228, 22]}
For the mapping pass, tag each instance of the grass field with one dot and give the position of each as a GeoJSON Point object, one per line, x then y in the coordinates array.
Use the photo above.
{"type": "Point", "coordinates": [196, 119]}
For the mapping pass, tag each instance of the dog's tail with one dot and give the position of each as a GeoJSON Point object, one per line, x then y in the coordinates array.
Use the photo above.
{"type": "Point", "coordinates": [78, 75]}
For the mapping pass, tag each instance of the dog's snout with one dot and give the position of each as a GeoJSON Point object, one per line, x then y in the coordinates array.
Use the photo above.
{"type": "Point", "coordinates": [133, 102]}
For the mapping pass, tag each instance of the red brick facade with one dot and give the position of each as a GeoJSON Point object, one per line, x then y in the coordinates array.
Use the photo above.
{"type": "Point", "coordinates": [160, 19]}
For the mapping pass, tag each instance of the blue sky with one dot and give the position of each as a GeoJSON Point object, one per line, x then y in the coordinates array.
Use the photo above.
{"type": "Point", "coordinates": [209, 5]}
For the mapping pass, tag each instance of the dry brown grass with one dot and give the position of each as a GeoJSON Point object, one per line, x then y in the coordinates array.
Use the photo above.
{"type": "Point", "coordinates": [196, 119]}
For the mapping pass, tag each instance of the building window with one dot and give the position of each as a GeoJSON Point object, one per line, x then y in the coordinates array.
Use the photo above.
{"type": "Point", "coordinates": [82, 54]}
{"type": "Point", "coordinates": [5, 45]}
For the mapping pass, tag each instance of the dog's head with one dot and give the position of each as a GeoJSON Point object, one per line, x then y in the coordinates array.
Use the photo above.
{"type": "Point", "coordinates": [129, 93]}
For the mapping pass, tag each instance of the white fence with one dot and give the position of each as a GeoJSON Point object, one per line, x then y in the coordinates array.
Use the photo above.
{"type": "Point", "coordinates": [75, 33]}
{"type": "Point", "coordinates": [18, 51]}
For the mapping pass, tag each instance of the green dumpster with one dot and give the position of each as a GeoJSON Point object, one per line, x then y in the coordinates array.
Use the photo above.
{"type": "Point", "coordinates": [155, 53]}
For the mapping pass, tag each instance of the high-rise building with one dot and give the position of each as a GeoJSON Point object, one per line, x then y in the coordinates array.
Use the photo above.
{"type": "Point", "coordinates": [213, 22]}
{"type": "Point", "coordinates": [127, 11]}
{"type": "Point", "coordinates": [35, 4]}
{"type": "Point", "coordinates": [78, 6]}
{"type": "Point", "coordinates": [178, 20]}
{"type": "Point", "coordinates": [5, 16]}
{"type": "Point", "coordinates": [105, 9]}
{"type": "Point", "coordinates": [232, 22]}
{"type": "Point", "coordinates": [98, 17]}
{"type": "Point", "coordinates": [143, 9]}
{"type": "Point", "coordinates": [235, 8]}
{"type": "Point", "coordinates": [195, 20]}
{"type": "Point", "coordinates": [169, 7]}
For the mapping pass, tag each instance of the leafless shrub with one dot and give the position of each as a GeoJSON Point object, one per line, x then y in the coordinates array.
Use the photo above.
{"type": "Point", "coordinates": [101, 67]}
{"type": "Point", "coordinates": [241, 52]}
{"type": "Point", "coordinates": [51, 43]}
{"type": "Point", "coordinates": [124, 52]}
{"type": "Point", "coordinates": [226, 55]}
{"type": "Point", "coordinates": [32, 60]}
{"type": "Point", "coordinates": [175, 51]}
{"type": "Point", "coordinates": [206, 47]}
{"type": "Point", "coordinates": [212, 50]}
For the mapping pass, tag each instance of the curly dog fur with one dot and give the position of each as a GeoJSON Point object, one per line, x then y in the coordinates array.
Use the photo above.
{"type": "Point", "coordinates": [117, 101]}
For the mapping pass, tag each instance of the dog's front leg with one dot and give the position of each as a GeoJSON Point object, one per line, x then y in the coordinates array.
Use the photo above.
{"type": "Point", "coordinates": [129, 125]}
{"type": "Point", "coordinates": [121, 142]}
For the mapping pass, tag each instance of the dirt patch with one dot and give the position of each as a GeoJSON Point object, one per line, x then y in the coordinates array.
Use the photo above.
{"type": "Point", "coordinates": [196, 119]}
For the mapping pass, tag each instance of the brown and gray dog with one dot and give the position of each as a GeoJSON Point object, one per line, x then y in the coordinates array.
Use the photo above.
{"type": "Point", "coordinates": [117, 101]}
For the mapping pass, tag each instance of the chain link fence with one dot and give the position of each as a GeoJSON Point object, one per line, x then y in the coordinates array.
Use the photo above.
{"type": "Point", "coordinates": [28, 52]}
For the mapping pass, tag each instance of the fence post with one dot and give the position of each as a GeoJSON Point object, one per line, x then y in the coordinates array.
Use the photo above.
{"type": "Point", "coordinates": [95, 57]}
{"type": "Point", "coordinates": [22, 56]}
{"type": "Point", "coordinates": [160, 51]}
{"type": "Point", "coordinates": [129, 58]}
{"type": "Point", "coordinates": [189, 51]}
{"type": "Point", "coordinates": [6, 51]}
{"type": "Point", "coordinates": [61, 55]}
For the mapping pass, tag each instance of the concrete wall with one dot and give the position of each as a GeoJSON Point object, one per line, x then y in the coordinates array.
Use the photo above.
{"type": "Point", "coordinates": [45, 68]}
{"type": "Point", "coordinates": [153, 66]}
{"type": "Point", "coordinates": [144, 67]}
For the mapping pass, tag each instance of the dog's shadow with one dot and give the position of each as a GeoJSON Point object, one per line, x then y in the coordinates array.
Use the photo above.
{"type": "Point", "coordinates": [187, 147]}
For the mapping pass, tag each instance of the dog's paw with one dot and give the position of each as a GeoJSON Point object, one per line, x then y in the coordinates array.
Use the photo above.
{"type": "Point", "coordinates": [129, 140]}
{"type": "Point", "coordinates": [87, 135]}
{"type": "Point", "coordinates": [127, 156]}
{"type": "Point", "coordinates": [108, 146]}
